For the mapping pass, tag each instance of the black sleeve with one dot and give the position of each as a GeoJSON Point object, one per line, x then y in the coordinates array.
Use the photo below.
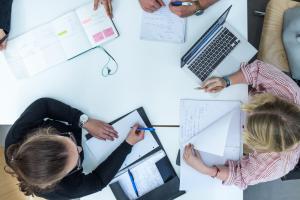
{"type": "Point", "coordinates": [5, 14]}
{"type": "Point", "coordinates": [82, 185]}
{"type": "Point", "coordinates": [36, 113]}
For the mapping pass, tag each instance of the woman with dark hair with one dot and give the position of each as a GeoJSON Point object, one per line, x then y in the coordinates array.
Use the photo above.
{"type": "Point", "coordinates": [43, 151]}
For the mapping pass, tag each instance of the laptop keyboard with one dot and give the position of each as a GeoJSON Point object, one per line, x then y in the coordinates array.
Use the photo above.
{"type": "Point", "coordinates": [214, 54]}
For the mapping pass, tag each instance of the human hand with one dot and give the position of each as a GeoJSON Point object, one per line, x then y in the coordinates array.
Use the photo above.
{"type": "Point", "coordinates": [100, 130]}
{"type": "Point", "coordinates": [185, 11]}
{"type": "Point", "coordinates": [4, 43]}
{"type": "Point", "coordinates": [151, 5]}
{"type": "Point", "coordinates": [107, 6]}
{"type": "Point", "coordinates": [192, 157]}
{"type": "Point", "coordinates": [135, 136]}
{"type": "Point", "coordinates": [214, 85]}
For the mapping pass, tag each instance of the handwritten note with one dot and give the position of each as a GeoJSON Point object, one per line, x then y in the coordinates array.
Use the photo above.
{"type": "Point", "coordinates": [163, 25]}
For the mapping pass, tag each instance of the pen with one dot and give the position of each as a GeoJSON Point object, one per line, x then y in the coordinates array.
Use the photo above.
{"type": "Point", "coordinates": [133, 183]}
{"type": "Point", "coordinates": [179, 3]}
{"type": "Point", "coordinates": [202, 88]}
{"type": "Point", "coordinates": [145, 129]}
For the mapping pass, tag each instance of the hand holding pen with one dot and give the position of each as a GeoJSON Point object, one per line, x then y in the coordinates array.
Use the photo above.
{"type": "Point", "coordinates": [184, 8]}
{"type": "Point", "coordinates": [213, 85]}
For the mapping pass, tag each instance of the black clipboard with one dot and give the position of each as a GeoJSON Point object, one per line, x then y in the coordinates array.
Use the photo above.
{"type": "Point", "coordinates": [170, 189]}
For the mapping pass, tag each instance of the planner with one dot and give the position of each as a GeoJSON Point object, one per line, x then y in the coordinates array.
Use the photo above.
{"type": "Point", "coordinates": [59, 40]}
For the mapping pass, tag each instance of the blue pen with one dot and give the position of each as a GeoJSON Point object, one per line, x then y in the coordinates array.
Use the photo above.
{"type": "Point", "coordinates": [180, 3]}
{"type": "Point", "coordinates": [145, 129]}
{"type": "Point", "coordinates": [133, 183]}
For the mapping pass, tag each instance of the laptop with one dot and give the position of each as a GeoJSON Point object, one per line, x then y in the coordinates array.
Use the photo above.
{"type": "Point", "coordinates": [218, 52]}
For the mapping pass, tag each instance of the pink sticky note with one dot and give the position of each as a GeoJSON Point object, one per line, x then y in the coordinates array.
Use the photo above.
{"type": "Point", "coordinates": [98, 37]}
{"type": "Point", "coordinates": [108, 32]}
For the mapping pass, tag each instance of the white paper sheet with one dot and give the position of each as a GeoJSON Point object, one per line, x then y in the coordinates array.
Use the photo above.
{"type": "Point", "coordinates": [71, 35]}
{"type": "Point", "coordinates": [190, 179]}
{"type": "Point", "coordinates": [196, 115]}
{"type": "Point", "coordinates": [102, 149]}
{"type": "Point", "coordinates": [163, 25]}
{"type": "Point", "coordinates": [146, 176]}
{"type": "Point", "coordinates": [213, 138]}
{"type": "Point", "coordinates": [96, 24]}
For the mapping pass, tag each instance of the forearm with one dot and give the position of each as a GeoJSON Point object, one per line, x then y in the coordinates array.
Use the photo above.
{"type": "Point", "coordinates": [206, 3]}
{"type": "Point", "coordinates": [109, 168]}
{"type": "Point", "coordinates": [222, 174]}
{"type": "Point", "coordinates": [237, 78]}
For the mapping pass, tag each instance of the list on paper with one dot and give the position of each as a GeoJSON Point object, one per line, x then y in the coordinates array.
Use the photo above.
{"type": "Point", "coordinates": [163, 25]}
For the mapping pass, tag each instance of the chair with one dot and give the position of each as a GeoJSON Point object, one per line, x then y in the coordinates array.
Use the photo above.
{"type": "Point", "coordinates": [271, 49]}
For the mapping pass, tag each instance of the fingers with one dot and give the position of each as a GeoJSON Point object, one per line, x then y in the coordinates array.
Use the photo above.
{"type": "Point", "coordinates": [111, 130]}
{"type": "Point", "coordinates": [155, 5]}
{"type": "Point", "coordinates": [107, 7]}
{"type": "Point", "coordinates": [110, 9]}
{"type": "Point", "coordinates": [209, 81]}
{"type": "Point", "coordinates": [161, 3]}
{"type": "Point", "coordinates": [96, 4]}
{"type": "Point", "coordinates": [3, 45]}
{"type": "Point", "coordinates": [187, 152]}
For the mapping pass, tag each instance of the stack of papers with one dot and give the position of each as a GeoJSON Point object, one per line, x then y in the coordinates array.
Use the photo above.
{"type": "Point", "coordinates": [146, 176]}
{"type": "Point", "coordinates": [214, 128]}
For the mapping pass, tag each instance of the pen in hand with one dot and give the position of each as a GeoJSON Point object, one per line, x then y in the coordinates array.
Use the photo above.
{"type": "Point", "coordinates": [180, 3]}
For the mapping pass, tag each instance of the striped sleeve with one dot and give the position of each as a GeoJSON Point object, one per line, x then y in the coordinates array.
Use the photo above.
{"type": "Point", "coordinates": [267, 78]}
{"type": "Point", "coordinates": [253, 169]}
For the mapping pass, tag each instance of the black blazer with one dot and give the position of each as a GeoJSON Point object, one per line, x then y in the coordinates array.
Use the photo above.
{"type": "Point", "coordinates": [50, 112]}
{"type": "Point", "coordinates": [5, 15]}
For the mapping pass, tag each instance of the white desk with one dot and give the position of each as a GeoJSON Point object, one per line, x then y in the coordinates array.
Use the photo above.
{"type": "Point", "coordinates": [149, 73]}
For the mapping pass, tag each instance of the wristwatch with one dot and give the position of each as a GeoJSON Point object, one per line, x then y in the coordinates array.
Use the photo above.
{"type": "Point", "coordinates": [199, 12]}
{"type": "Point", "coordinates": [200, 9]}
{"type": "Point", "coordinates": [82, 120]}
{"type": "Point", "coordinates": [227, 81]}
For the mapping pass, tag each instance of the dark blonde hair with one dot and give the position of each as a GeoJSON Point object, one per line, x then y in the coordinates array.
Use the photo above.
{"type": "Point", "coordinates": [38, 162]}
{"type": "Point", "coordinates": [273, 124]}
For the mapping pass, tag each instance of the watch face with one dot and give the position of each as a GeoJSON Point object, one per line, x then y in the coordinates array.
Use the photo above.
{"type": "Point", "coordinates": [199, 12]}
{"type": "Point", "coordinates": [83, 119]}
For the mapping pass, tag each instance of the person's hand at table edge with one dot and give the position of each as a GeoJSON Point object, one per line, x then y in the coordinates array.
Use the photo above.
{"type": "Point", "coordinates": [107, 6]}
{"type": "Point", "coordinates": [3, 44]}
{"type": "Point", "coordinates": [100, 130]}
{"type": "Point", "coordinates": [135, 136]}
{"type": "Point", "coordinates": [213, 85]}
{"type": "Point", "coordinates": [185, 11]}
{"type": "Point", "coordinates": [151, 5]}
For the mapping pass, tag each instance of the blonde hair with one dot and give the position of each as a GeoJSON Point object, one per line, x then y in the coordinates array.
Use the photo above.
{"type": "Point", "coordinates": [273, 124]}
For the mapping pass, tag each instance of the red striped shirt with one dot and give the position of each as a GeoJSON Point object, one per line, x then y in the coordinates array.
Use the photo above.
{"type": "Point", "coordinates": [262, 167]}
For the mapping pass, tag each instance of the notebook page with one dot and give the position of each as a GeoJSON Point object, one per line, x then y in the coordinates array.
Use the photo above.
{"type": "Point", "coordinates": [196, 115]}
{"type": "Point", "coordinates": [146, 176]}
{"type": "Point", "coordinates": [163, 25]}
{"type": "Point", "coordinates": [70, 34]}
{"type": "Point", "coordinates": [35, 51]}
{"type": "Point", "coordinates": [96, 24]}
{"type": "Point", "coordinates": [102, 149]}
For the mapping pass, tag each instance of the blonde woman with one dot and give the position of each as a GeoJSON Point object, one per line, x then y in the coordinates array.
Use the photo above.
{"type": "Point", "coordinates": [272, 131]}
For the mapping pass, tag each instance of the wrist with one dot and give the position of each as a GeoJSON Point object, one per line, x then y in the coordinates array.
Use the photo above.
{"type": "Point", "coordinates": [83, 121]}
{"type": "Point", "coordinates": [129, 142]}
{"type": "Point", "coordinates": [205, 3]}
{"type": "Point", "coordinates": [227, 81]}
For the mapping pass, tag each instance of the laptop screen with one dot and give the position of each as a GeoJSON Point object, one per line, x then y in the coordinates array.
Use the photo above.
{"type": "Point", "coordinates": [205, 37]}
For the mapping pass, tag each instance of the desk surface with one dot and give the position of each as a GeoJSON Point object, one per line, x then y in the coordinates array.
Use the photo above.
{"type": "Point", "coordinates": [149, 72]}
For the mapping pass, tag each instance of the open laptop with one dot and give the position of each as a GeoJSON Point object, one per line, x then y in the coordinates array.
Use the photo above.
{"type": "Point", "coordinates": [218, 52]}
